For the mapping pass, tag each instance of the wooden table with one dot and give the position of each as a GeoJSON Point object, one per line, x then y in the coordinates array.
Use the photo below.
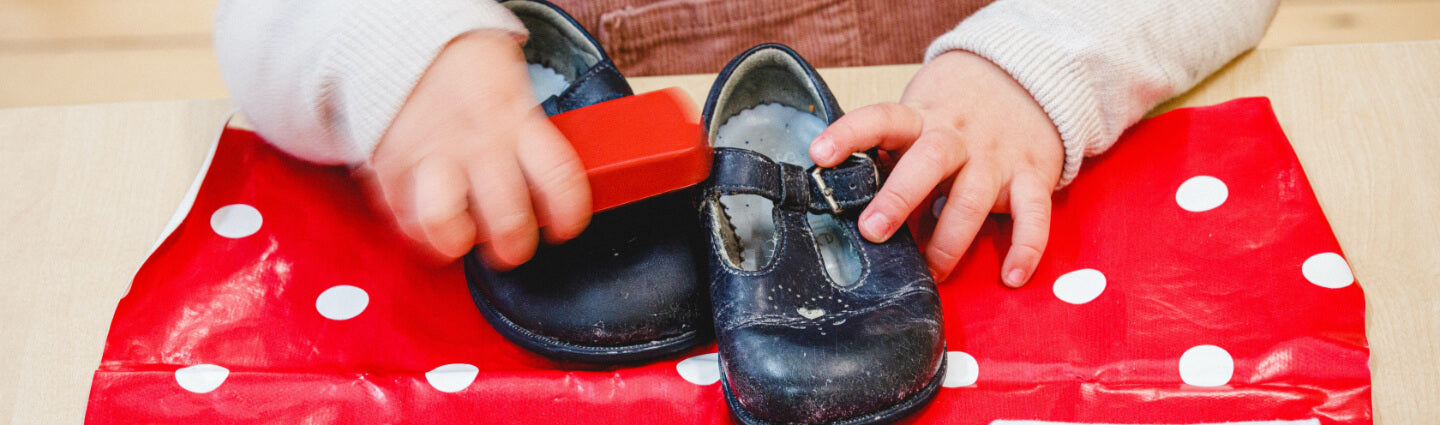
{"type": "Point", "coordinates": [87, 189]}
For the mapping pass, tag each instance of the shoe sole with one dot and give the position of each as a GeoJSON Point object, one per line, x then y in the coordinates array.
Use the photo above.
{"type": "Point", "coordinates": [561, 350]}
{"type": "Point", "coordinates": [891, 414]}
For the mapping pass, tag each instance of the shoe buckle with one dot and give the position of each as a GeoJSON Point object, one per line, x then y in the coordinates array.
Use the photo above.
{"type": "Point", "coordinates": [829, 192]}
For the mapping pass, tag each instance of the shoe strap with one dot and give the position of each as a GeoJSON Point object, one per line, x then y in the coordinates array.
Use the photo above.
{"type": "Point", "coordinates": [600, 83]}
{"type": "Point", "coordinates": [817, 190]}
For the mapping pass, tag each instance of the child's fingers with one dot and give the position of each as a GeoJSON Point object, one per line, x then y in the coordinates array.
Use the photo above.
{"type": "Point", "coordinates": [394, 199]}
{"type": "Point", "coordinates": [970, 201]}
{"type": "Point", "coordinates": [1030, 206]}
{"type": "Point", "coordinates": [558, 184]}
{"type": "Point", "coordinates": [398, 190]}
{"type": "Point", "coordinates": [500, 202]}
{"type": "Point", "coordinates": [890, 126]}
{"type": "Point", "coordinates": [438, 210]}
{"type": "Point", "coordinates": [934, 157]}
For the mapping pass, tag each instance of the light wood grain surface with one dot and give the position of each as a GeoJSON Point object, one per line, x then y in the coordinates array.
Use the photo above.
{"type": "Point", "coordinates": [87, 189]}
{"type": "Point", "coordinates": [55, 52]}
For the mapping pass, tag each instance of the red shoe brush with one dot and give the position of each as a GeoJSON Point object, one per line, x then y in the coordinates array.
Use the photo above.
{"type": "Point", "coordinates": [636, 147]}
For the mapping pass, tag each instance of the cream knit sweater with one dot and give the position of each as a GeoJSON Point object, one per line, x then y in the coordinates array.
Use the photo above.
{"type": "Point", "coordinates": [323, 79]}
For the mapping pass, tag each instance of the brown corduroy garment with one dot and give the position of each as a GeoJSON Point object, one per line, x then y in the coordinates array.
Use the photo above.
{"type": "Point", "coordinates": [657, 37]}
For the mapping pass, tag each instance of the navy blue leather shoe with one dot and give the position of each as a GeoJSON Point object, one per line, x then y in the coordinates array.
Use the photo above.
{"type": "Point", "coordinates": [814, 323]}
{"type": "Point", "coordinates": [631, 286]}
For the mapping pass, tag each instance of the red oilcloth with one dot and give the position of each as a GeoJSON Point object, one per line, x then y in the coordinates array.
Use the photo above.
{"type": "Point", "coordinates": [1164, 297]}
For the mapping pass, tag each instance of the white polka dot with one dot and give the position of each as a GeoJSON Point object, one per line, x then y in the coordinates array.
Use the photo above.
{"type": "Point", "coordinates": [703, 369]}
{"type": "Point", "coordinates": [1206, 366]}
{"type": "Point", "coordinates": [201, 378]}
{"type": "Point", "coordinates": [1328, 270]}
{"type": "Point", "coordinates": [938, 206]}
{"type": "Point", "coordinates": [236, 221]}
{"type": "Point", "coordinates": [1080, 286]}
{"type": "Point", "coordinates": [342, 302]}
{"type": "Point", "coordinates": [452, 377]}
{"type": "Point", "coordinates": [961, 370]}
{"type": "Point", "coordinates": [1201, 193]}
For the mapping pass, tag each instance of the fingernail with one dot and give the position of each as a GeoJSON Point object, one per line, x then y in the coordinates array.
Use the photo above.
{"type": "Point", "coordinates": [1015, 278]}
{"type": "Point", "coordinates": [878, 225]}
{"type": "Point", "coordinates": [822, 148]}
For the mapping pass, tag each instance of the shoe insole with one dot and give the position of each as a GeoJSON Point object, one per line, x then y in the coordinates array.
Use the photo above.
{"type": "Point", "coordinates": [783, 134]}
{"type": "Point", "coordinates": [546, 82]}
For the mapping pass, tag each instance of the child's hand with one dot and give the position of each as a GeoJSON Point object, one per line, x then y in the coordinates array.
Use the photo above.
{"type": "Point", "coordinates": [962, 117]}
{"type": "Point", "coordinates": [470, 159]}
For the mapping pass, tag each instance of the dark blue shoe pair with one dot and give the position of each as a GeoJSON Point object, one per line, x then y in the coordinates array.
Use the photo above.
{"type": "Point", "coordinates": [814, 324]}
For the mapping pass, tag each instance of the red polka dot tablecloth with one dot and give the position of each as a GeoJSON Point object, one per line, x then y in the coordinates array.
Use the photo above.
{"type": "Point", "coordinates": [1190, 278]}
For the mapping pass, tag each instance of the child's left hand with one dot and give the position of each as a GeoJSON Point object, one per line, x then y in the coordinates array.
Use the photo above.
{"type": "Point", "coordinates": [962, 117]}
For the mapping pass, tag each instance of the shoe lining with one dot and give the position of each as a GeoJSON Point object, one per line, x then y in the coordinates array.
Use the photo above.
{"type": "Point", "coordinates": [555, 43]}
{"type": "Point", "coordinates": [767, 76]}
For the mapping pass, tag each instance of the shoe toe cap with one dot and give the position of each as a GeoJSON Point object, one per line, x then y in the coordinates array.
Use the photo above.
{"type": "Point", "coordinates": [783, 374]}
{"type": "Point", "coordinates": [612, 286]}
{"type": "Point", "coordinates": [622, 305]}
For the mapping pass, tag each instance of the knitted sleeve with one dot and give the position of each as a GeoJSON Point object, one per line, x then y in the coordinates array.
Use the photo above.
{"type": "Point", "coordinates": [322, 79]}
{"type": "Point", "coordinates": [1096, 66]}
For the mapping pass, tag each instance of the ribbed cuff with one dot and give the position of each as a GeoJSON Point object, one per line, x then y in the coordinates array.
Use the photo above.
{"type": "Point", "coordinates": [387, 48]}
{"type": "Point", "coordinates": [1052, 74]}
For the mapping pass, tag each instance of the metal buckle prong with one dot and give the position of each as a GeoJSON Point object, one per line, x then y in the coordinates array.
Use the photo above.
{"type": "Point", "coordinates": [828, 192]}
{"type": "Point", "coordinates": [825, 190]}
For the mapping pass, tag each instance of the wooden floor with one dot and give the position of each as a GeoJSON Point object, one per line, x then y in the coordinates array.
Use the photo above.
{"type": "Point", "coordinates": [89, 51]}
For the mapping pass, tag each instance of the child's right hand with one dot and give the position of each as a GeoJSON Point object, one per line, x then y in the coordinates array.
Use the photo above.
{"type": "Point", "coordinates": [964, 119]}
{"type": "Point", "coordinates": [471, 159]}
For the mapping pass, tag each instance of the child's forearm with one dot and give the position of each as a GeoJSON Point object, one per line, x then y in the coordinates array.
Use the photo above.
{"type": "Point", "coordinates": [1096, 66]}
{"type": "Point", "coordinates": [323, 79]}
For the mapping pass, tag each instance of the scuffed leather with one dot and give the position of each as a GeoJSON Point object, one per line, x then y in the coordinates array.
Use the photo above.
{"type": "Point", "coordinates": [796, 347]}
{"type": "Point", "coordinates": [629, 288]}
{"type": "Point", "coordinates": [633, 275]}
